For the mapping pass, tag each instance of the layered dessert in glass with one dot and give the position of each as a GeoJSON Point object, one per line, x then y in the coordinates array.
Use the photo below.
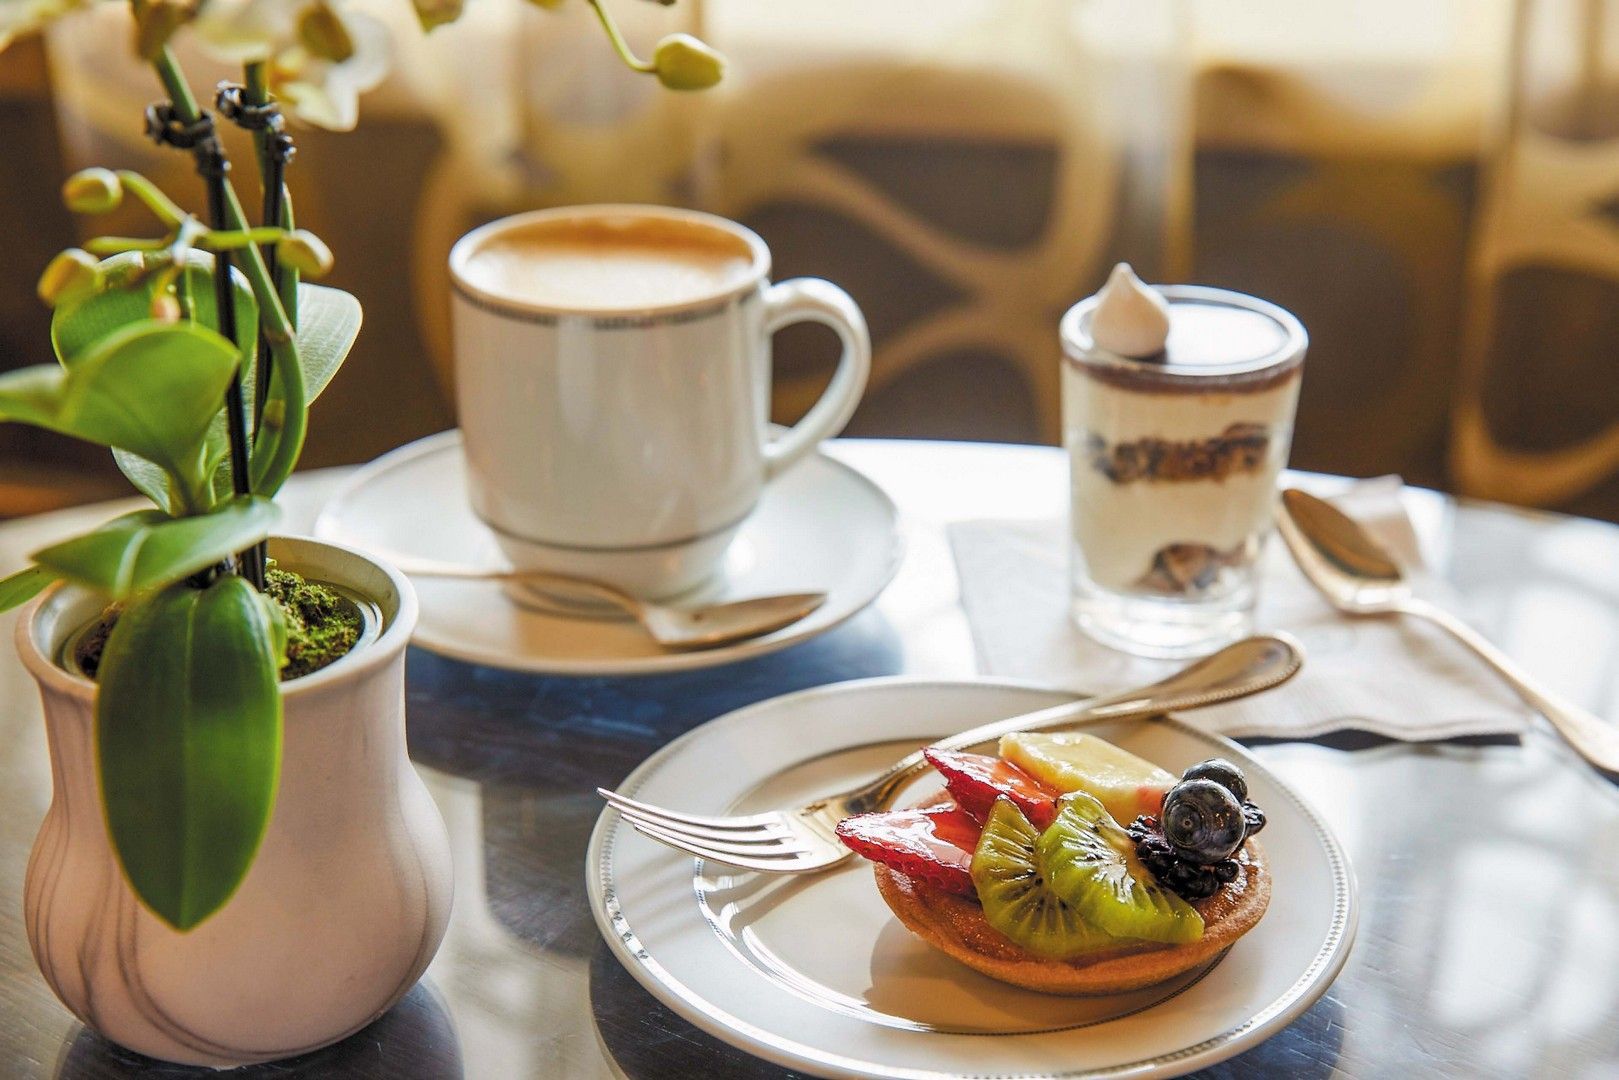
{"type": "Point", "coordinates": [1178, 406]}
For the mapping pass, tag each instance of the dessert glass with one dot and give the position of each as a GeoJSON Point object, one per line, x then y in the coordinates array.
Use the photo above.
{"type": "Point", "coordinates": [1174, 461]}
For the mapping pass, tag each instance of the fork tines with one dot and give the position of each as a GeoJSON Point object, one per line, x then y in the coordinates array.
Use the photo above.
{"type": "Point", "coordinates": [754, 842]}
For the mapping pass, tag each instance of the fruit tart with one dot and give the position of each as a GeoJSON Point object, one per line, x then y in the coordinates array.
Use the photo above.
{"type": "Point", "coordinates": [1022, 870]}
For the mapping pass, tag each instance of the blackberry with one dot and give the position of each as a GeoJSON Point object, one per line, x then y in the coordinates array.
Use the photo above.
{"type": "Point", "coordinates": [1187, 879]}
{"type": "Point", "coordinates": [1155, 845]}
{"type": "Point", "coordinates": [1160, 865]}
{"type": "Point", "coordinates": [1192, 881]}
{"type": "Point", "coordinates": [1203, 886]}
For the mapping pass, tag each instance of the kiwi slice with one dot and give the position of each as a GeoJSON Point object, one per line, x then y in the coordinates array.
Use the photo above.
{"type": "Point", "coordinates": [1017, 901]}
{"type": "Point", "coordinates": [1090, 862]}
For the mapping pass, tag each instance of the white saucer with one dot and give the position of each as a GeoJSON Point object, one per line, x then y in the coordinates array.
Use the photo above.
{"type": "Point", "coordinates": [820, 527]}
{"type": "Point", "coordinates": [815, 973]}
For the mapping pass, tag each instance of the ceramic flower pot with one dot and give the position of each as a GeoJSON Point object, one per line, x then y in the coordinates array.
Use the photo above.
{"type": "Point", "coordinates": [344, 906]}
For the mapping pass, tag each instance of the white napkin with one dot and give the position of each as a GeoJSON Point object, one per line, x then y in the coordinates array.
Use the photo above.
{"type": "Point", "coordinates": [1395, 677]}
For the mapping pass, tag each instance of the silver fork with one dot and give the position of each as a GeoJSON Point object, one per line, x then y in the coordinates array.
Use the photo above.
{"type": "Point", "coordinates": [804, 840]}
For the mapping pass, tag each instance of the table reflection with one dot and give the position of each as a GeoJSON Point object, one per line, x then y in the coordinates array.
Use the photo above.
{"type": "Point", "coordinates": [569, 735]}
{"type": "Point", "coordinates": [415, 1040]}
{"type": "Point", "coordinates": [1309, 1050]}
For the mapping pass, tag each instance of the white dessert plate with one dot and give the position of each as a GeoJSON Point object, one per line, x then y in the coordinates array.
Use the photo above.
{"type": "Point", "coordinates": [819, 527]}
{"type": "Point", "coordinates": [816, 974]}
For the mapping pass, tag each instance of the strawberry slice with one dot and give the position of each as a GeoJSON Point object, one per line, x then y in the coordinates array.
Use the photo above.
{"type": "Point", "coordinates": [977, 780]}
{"type": "Point", "coordinates": [935, 844]}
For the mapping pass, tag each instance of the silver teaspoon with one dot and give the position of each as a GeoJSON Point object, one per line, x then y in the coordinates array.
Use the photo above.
{"type": "Point", "coordinates": [1359, 576]}
{"type": "Point", "coordinates": [699, 626]}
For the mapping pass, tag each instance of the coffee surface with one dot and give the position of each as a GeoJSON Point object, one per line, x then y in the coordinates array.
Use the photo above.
{"type": "Point", "coordinates": [607, 264]}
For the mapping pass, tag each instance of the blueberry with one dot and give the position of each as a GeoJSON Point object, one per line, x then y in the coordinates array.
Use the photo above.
{"type": "Point", "coordinates": [1254, 816]}
{"type": "Point", "coordinates": [1222, 772]}
{"type": "Point", "coordinates": [1203, 821]}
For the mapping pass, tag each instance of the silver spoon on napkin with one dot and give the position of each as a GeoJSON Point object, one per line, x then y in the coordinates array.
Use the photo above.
{"type": "Point", "coordinates": [1358, 576]}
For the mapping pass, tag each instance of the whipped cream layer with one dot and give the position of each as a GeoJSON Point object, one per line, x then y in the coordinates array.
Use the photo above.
{"type": "Point", "coordinates": [1131, 318]}
{"type": "Point", "coordinates": [1170, 488]}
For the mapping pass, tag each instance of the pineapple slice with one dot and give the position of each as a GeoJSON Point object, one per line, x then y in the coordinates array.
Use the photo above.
{"type": "Point", "coordinates": [1074, 761]}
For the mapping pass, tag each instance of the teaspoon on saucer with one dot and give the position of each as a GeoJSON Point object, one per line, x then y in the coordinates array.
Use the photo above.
{"type": "Point", "coordinates": [699, 626]}
{"type": "Point", "coordinates": [1358, 576]}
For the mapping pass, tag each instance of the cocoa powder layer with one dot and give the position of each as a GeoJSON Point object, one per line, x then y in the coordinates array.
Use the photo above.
{"type": "Point", "coordinates": [1146, 377]}
{"type": "Point", "coordinates": [1240, 448]}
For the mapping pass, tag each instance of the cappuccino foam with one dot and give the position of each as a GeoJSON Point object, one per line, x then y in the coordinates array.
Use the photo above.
{"type": "Point", "coordinates": [610, 264]}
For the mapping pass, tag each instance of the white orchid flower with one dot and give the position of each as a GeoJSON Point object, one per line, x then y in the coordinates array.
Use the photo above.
{"type": "Point", "coordinates": [247, 31]}
{"type": "Point", "coordinates": [320, 78]}
{"type": "Point", "coordinates": [18, 17]}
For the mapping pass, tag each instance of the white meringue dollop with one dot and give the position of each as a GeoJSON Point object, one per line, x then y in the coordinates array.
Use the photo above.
{"type": "Point", "coordinates": [1131, 318]}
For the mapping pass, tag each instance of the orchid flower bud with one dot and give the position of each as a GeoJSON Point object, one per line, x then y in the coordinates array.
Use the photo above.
{"type": "Point", "coordinates": [73, 273]}
{"type": "Point", "coordinates": [92, 191]}
{"type": "Point", "coordinates": [684, 63]}
{"type": "Point", "coordinates": [304, 252]}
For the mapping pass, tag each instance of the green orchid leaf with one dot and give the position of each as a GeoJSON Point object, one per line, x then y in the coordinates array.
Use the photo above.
{"type": "Point", "coordinates": [150, 480]}
{"type": "Point", "coordinates": [328, 323]}
{"type": "Point", "coordinates": [151, 388]}
{"type": "Point", "coordinates": [148, 549]}
{"type": "Point", "coordinates": [23, 586]}
{"type": "Point", "coordinates": [127, 298]}
{"type": "Point", "coordinates": [188, 742]}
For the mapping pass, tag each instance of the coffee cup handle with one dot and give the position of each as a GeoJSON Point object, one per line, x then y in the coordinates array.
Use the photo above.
{"type": "Point", "coordinates": [814, 300]}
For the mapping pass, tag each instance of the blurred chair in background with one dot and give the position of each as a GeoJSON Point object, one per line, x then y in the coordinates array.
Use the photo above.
{"type": "Point", "coordinates": [38, 471]}
{"type": "Point", "coordinates": [966, 171]}
{"type": "Point", "coordinates": [1431, 187]}
{"type": "Point", "coordinates": [1537, 418]}
{"type": "Point", "coordinates": [1336, 160]}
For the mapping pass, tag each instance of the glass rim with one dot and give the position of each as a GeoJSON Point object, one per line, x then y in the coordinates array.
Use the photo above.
{"type": "Point", "coordinates": [1080, 348]}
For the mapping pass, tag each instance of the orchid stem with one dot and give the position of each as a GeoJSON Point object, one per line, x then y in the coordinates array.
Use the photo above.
{"type": "Point", "coordinates": [270, 468]}
{"type": "Point", "coordinates": [272, 147]}
{"type": "Point", "coordinates": [616, 36]}
{"type": "Point", "coordinates": [161, 206]}
{"type": "Point", "coordinates": [113, 245]}
{"type": "Point", "coordinates": [232, 240]}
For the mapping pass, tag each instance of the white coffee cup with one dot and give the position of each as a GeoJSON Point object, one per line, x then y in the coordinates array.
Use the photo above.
{"type": "Point", "coordinates": [615, 407]}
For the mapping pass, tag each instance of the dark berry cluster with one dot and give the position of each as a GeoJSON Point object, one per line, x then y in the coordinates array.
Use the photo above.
{"type": "Point", "coordinates": [1188, 879]}
{"type": "Point", "coordinates": [1193, 881]}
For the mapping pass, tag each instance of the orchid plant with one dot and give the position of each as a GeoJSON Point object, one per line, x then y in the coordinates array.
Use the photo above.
{"type": "Point", "coordinates": [193, 354]}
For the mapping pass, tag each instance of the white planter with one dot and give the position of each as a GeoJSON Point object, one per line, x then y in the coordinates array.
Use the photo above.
{"type": "Point", "coordinates": [341, 911]}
